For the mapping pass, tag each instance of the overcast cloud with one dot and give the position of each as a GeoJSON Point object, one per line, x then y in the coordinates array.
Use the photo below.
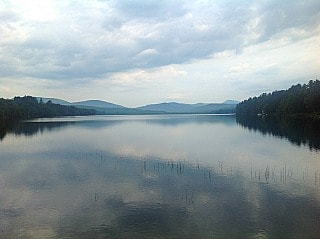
{"type": "Point", "coordinates": [139, 52]}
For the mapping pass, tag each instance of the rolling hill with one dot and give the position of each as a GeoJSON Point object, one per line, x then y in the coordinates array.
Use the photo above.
{"type": "Point", "coordinates": [199, 108]}
{"type": "Point", "coordinates": [103, 107]}
{"type": "Point", "coordinates": [97, 104]}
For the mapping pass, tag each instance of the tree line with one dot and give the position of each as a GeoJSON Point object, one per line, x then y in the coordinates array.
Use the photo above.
{"type": "Point", "coordinates": [298, 100]}
{"type": "Point", "coordinates": [298, 130]}
{"type": "Point", "coordinates": [29, 107]}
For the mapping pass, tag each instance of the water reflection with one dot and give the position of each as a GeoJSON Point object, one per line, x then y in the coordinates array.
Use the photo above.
{"type": "Point", "coordinates": [155, 177]}
{"type": "Point", "coordinates": [29, 129]}
{"type": "Point", "coordinates": [298, 131]}
{"type": "Point", "coordinates": [32, 127]}
{"type": "Point", "coordinates": [109, 196]}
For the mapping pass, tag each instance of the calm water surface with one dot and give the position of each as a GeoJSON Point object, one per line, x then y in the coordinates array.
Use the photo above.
{"type": "Point", "coordinates": [169, 176]}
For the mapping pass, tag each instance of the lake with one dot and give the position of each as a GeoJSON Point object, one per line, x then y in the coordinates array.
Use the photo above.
{"type": "Point", "coordinates": [163, 176]}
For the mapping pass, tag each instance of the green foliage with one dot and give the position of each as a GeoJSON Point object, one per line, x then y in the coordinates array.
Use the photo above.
{"type": "Point", "coordinates": [28, 107]}
{"type": "Point", "coordinates": [299, 131]}
{"type": "Point", "coordinates": [296, 100]}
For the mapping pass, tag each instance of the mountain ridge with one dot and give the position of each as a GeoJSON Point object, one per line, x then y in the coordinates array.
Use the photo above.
{"type": "Point", "coordinates": [104, 107]}
{"type": "Point", "coordinates": [97, 103]}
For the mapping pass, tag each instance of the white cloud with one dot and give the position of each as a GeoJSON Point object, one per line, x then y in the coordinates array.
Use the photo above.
{"type": "Point", "coordinates": [142, 78]}
{"type": "Point", "coordinates": [184, 45]}
{"type": "Point", "coordinates": [148, 52]}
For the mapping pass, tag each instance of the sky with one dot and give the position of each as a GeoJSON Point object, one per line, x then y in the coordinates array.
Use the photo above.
{"type": "Point", "coordinates": [134, 52]}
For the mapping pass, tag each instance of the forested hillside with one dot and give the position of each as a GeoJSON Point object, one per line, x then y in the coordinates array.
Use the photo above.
{"type": "Point", "coordinates": [28, 107]}
{"type": "Point", "coordinates": [298, 100]}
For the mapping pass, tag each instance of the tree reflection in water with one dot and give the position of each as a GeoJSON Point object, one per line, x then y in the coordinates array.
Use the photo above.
{"type": "Point", "coordinates": [298, 131]}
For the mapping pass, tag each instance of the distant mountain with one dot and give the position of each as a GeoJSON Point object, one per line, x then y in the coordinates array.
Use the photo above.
{"type": "Point", "coordinates": [97, 104]}
{"type": "Point", "coordinates": [215, 108]}
{"type": "Point", "coordinates": [53, 100]}
{"type": "Point", "coordinates": [103, 107]}
{"type": "Point", "coordinates": [172, 107]}
{"type": "Point", "coordinates": [83, 104]}
{"type": "Point", "coordinates": [232, 102]}
{"type": "Point", "coordinates": [199, 108]}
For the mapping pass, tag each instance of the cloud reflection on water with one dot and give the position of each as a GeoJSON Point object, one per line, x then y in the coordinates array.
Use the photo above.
{"type": "Point", "coordinates": [73, 181]}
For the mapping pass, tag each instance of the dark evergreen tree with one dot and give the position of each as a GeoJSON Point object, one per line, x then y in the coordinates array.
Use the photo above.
{"type": "Point", "coordinates": [297, 100]}
{"type": "Point", "coordinates": [28, 107]}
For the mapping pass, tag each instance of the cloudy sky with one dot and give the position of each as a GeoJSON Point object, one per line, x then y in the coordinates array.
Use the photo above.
{"type": "Point", "coordinates": [138, 52]}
